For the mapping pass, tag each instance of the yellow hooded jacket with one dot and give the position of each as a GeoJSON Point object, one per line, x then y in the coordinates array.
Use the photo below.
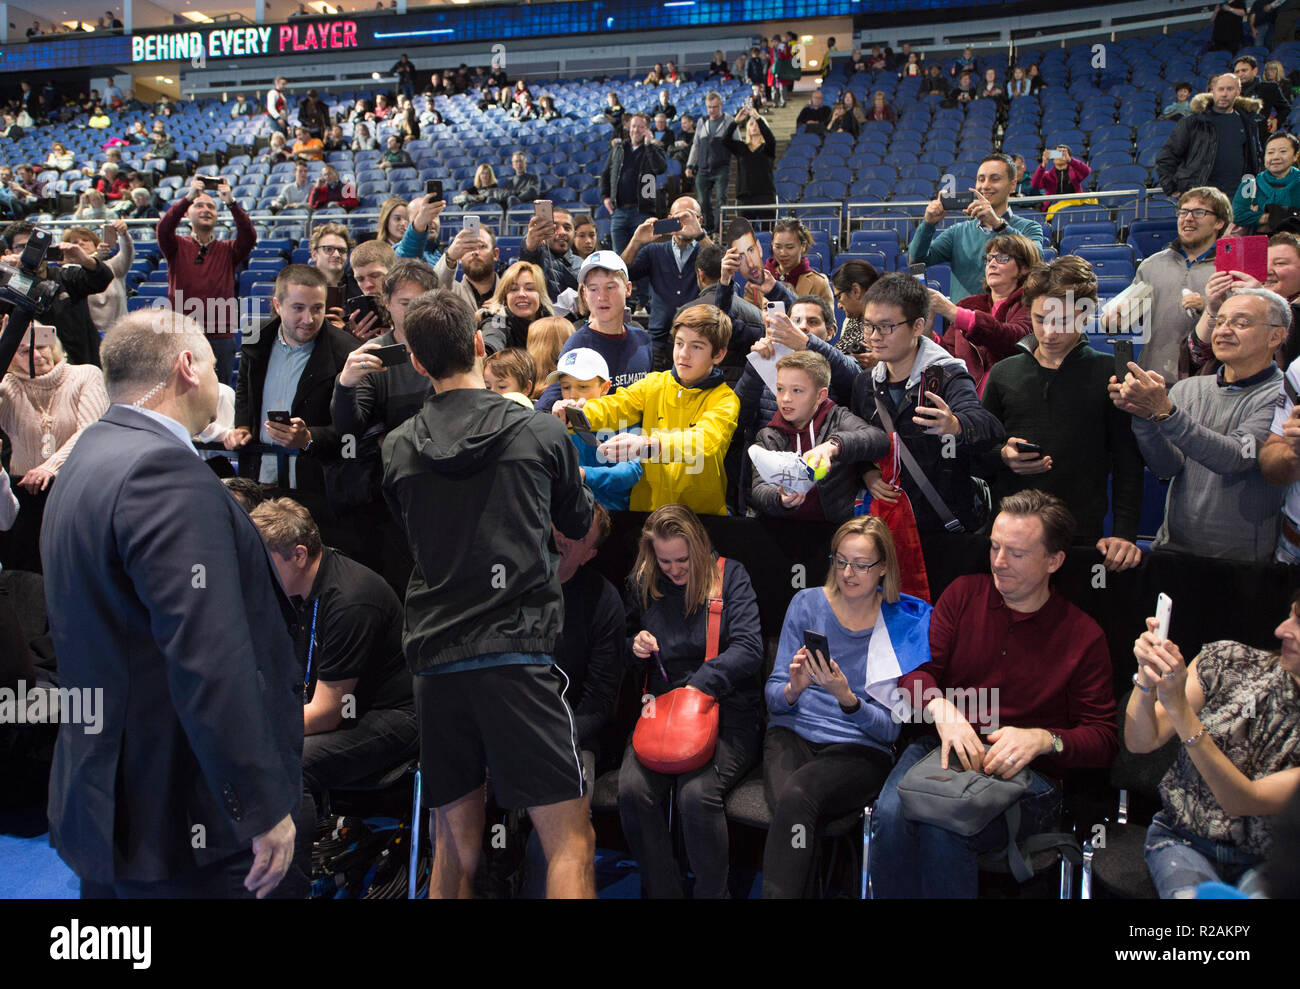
{"type": "Point", "coordinates": [693, 427]}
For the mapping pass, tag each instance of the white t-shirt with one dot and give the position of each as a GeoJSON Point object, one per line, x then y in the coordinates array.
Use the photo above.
{"type": "Point", "coordinates": [1291, 507]}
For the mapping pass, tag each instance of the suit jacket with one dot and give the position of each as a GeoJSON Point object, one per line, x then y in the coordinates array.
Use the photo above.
{"type": "Point", "coordinates": [160, 593]}
{"type": "Point", "coordinates": [311, 402]}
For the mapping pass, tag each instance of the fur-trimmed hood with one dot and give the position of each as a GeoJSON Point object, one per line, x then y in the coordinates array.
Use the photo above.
{"type": "Point", "coordinates": [1202, 102]}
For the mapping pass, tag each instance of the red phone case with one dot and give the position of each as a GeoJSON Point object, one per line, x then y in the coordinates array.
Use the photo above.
{"type": "Point", "coordinates": [1248, 254]}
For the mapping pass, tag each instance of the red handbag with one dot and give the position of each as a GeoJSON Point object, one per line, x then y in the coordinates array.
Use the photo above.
{"type": "Point", "coordinates": [678, 731]}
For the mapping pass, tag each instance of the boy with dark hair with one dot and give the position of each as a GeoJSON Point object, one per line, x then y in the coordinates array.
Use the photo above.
{"type": "Point", "coordinates": [510, 371]}
{"type": "Point", "coordinates": [688, 415]}
{"type": "Point", "coordinates": [1063, 434]}
{"type": "Point", "coordinates": [807, 423]}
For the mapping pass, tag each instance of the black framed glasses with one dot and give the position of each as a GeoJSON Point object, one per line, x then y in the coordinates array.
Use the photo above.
{"type": "Point", "coordinates": [839, 563]}
{"type": "Point", "coordinates": [882, 329]}
{"type": "Point", "coordinates": [1195, 214]}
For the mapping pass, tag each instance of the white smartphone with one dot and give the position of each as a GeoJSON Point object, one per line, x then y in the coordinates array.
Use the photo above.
{"type": "Point", "coordinates": [45, 335]}
{"type": "Point", "coordinates": [776, 308]}
{"type": "Point", "coordinates": [1164, 607]}
{"type": "Point", "coordinates": [473, 223]}
{"type": "Point", "coordinates": [542, 210]}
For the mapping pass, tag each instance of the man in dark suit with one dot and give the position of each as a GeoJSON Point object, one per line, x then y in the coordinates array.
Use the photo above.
{"type": "Point", "coordinates": [161, 595]}
{"type": "Point", "coordinates": [290, 366]}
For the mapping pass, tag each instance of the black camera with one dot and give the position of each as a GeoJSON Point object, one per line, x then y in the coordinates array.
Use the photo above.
{"type": "Point", "coordinates": [22, 286]}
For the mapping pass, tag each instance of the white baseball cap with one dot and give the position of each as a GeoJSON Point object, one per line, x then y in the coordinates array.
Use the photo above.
{"type": "Point", "coordinates": [581, 363]}
{"type": "Point", "coordinates": [609, 260]}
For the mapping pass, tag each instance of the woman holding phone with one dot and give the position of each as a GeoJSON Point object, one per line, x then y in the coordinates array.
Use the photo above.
{"type": "Point", "coordinates": [830, 731]}
{"type": "Point", "coordinates": [1059, 173]}
{"type": "Point", "coordinates": [755, 163]}
{"type": "Point", "coordinates": [667, 603]}
{"type": "Point", "coordinates": [1236, 711]}
{"type": "Point", "coordinates": [1277, 185]}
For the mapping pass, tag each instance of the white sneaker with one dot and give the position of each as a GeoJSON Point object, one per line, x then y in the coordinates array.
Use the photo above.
{"type": "Point", "coordinates": [783, 468]}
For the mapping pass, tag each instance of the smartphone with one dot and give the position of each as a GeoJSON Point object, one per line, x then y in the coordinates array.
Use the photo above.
{"type": "Point", "coordinates": [54, 253]}
{"type": "Point", "coordinates": [776, 308]}
{"type": "Point", "coordinates": [473, 223]}
{"type": "Point", "coordinates": [210, 181]}
{"type": "Point", "coordinates": [815, 642]}
{"type": "Point", "coordinates": [932, 379]}
{"type": "Point", "coordinates": [334, 297]}
{"type": "Point", "coordinates": [1248, 254]}
{"type": "Point", "coordinates": [360, 306]}
{"type": "Point", "coordinates": [1024, 447]}
{"type": "Point", "coordinates": [1054, 155]}
{"type": "Point", "coordinates": [959, 201]}
{"type": "Point", "coordinates": [392, 355]}
{"type": "Point", "coordinates": [1123, 354]}
{"type": "Point", "coordinates": [917, 271]}
{"type": "Point", "coordinates": [581, 428]}
{"type": "Point", "coordinates": [279, 417]}
{"type": "Point", "coordinates": [542, 210]}
{"type": "Point", "coordinates": [668, 225]}
{"type": "Point", "coordinates": [1164, 608]}
{"type": "Point", "coordinates": [44, 334]}
{"type": "Point", "coordinates": [433, 189]}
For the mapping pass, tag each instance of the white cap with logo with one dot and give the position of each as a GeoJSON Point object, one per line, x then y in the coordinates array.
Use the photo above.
{"type": "Point", "coordinates": [609, 260]}
{"type": "Point", "coordinates": [580, 363]}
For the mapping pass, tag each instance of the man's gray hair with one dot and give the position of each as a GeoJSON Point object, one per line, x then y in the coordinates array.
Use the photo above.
{"type": "Point", "coordinates": [140, 349]}
{"type": "Point", "coordinates": [1279, 310]}
{"type": "Point", "coordinates": [712, 94]}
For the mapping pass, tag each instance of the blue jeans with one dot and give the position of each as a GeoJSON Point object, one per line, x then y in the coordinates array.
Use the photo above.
{"type": "Point", "coordinates": [1179, 862]}
{"type": "Point", "coordinates": [623, 224]}
{"type": "Point", "coordinates": [910, 860]}
{"type": "Point", "coordinates": [224, 350]}
{"type": "Point", "coordinates": [711, 190]}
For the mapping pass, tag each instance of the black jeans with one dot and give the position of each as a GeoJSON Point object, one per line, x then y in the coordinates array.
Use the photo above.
{"type": "Point", "coordinates": [807, 783]}
{"type": "Point", "coordinates": [642, 794]}
{"type": "Point", "coordinates": [378, 740]}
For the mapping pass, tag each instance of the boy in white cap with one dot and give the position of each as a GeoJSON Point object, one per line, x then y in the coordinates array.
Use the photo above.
{"type": "Point", "coordinates": [583, 374]}
{"type": "Point", "coordinates": [626, 350]}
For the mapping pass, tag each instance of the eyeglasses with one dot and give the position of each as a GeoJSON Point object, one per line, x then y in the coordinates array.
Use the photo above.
{"type": "Point", "coordinates": [882, 330]}
{"type": "Point", "coordinates": [331, 249]}
{"type": "Point", "coordinates": [840, 563]}
{"type": "Point", "coordinates": [1241, 322]}
{"type": "Point", "coordinates": [999, 258]}
{"type": "Point", "coordinates": [1195, 214]}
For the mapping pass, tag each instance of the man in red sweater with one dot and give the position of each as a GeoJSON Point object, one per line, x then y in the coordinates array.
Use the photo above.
{"type": "Point", "coordinates": [1015, 662]}
{"type": "Point", "coordinates": [201, 270]}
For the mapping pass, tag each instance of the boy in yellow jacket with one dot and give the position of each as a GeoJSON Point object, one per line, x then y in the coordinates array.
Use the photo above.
{"type": "Point", "coordinates": [686, 415]}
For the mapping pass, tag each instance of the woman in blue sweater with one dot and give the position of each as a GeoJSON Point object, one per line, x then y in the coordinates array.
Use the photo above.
{"type": "Point", "coordinates": [830, 732]}
{"type": "Point", "coordinates": [667, 604]}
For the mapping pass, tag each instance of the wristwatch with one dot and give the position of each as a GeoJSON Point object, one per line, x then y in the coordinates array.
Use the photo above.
{"type": "Point", "coordinates": [1058, 746]}
{"type": "Point", "coordinates": [1001, 227]}
{"type": "Point", "coordinates": [1162, 416]}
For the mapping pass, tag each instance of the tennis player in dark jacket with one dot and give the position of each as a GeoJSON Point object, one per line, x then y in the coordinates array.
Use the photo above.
{"type": "Point", "coordinates": [476, 482]}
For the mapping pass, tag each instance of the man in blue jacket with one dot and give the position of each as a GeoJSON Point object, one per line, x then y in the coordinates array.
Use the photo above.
{"type": "Point", "coordinates": [962, 245]}
{"type": "Point", "coordinates": [669, 265]}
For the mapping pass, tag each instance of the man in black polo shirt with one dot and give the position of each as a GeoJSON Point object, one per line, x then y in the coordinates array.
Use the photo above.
{"type": "Point", "coordinates": [359, 717]}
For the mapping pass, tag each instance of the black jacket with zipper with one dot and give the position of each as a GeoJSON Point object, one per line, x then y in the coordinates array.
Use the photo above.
{"type": "Point", "coordinates": [475, 482]}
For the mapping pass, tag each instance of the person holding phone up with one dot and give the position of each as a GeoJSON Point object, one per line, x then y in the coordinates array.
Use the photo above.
{"type": "Point", "coordinates": [830, 730]}
{"type": "Point", "coordinates": [1059, 173]}
{"type": "Point", "coordinates": [962, 245]}
{"type": "Point", "coordinates": [755, 163]}
{"type": "Point", "coordinates": [1235, 710]}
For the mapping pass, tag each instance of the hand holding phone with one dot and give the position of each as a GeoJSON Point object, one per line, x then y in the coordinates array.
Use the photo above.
{"type": "Point", "coordinates": [815, 643]}
{"type": "Point", "coordinates": [668, 225]}
{"type": "Point", "coordinates": [959, 200]}
{"type": "Point", "coordinates": [581, 428]}
{"type": "Point", "coordinates": [543, 210]}
{"type": "Point", "coordinates": [433, 190]}
{"type": "Point", "coordinates": [1123, 356]}
{"type": "Point", "coordinates": [1164, 610]}
{"type": "Point", "coordinates": [392, 355]}
{"type": "Point", "coordinates": [280, 417]}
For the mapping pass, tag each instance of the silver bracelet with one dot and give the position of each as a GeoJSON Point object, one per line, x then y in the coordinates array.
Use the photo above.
{"type": "Point", "coordinates": [1195, 738]}
{"type": "Point", "coordinates": [1137, 683]}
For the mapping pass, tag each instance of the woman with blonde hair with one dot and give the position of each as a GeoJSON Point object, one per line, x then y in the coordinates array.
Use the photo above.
{"type": "Point", "coordinates": [474, 193]}
{"type": "Point", "coordinates": [546, 337]}
{"type": "Point", "coordinates": [675, 577]}
{"type": "Point", "coordinates": [42, 413]}
{"type": "Point", "coordinates": [520, 299]}
{"type": "Point", "coordinates": [108, 306]}
{"type": "Point", "coordinates": [831, 728]}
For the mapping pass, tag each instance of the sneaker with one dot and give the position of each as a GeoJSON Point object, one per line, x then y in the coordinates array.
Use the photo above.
{"type": "Point", "coordinates": [783, 468]}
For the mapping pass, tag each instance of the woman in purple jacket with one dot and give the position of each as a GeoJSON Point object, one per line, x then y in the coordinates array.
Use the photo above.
{"type": "Point", "coordinates": [1060, 173]}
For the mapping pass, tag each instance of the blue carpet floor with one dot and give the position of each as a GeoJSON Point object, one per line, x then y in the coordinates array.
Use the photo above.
{"type": "Point", "coordinates": [30, 869]}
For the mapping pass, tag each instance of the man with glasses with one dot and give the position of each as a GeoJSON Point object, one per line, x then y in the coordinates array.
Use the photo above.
{"type": "Point", "coordinates": [330, 244]}
{"type": "Point", "coordinates": [476, 254]}
{"type": "Point", "coordinates": [1177, 276]}
{"type": "Point", "coordinates": [201, 267]}
{"type": "Point", "coordinates": [1205, 434]}
{"type": "Point", "coordinates": [927, 397]}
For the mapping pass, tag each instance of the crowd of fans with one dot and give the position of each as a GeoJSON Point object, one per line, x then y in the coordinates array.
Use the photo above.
{"type": "Point", "coordinates": [985, 409]}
